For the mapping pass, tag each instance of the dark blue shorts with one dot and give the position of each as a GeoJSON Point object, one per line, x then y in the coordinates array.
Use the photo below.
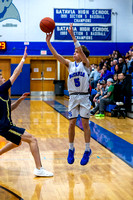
{"type": "Point", "coordinates": [13, 134]}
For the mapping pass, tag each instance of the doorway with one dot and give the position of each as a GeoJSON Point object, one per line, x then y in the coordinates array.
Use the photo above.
{"type": "Point", "coordinates": [43, 73]}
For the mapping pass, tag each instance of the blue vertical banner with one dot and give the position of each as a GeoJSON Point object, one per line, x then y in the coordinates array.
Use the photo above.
{"type": "Point", "coordinates": [84, 33]}
{"type": "Point", "coordinates": [64, 15]}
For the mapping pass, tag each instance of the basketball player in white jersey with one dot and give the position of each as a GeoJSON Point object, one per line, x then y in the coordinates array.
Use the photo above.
{"type": "Point", "coordinates": [78, 85]}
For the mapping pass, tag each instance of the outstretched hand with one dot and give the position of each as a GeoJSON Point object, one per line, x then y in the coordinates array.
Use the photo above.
{"type": "Point", "coordinates": [25, 53]}
{"type": "Point", "coordinates": [24, 95]}
{"type": "Point", "coordinates": [70, 31]}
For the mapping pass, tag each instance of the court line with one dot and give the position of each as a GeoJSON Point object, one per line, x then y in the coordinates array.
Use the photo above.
{"type": "Point", "coordinates": [11, 193]}
{"type": "Point", "coordinates": [118, 146]}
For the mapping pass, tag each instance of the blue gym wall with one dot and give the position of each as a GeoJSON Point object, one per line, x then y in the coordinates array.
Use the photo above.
{"type": "Point", "coordinates": [22, 84]}
{"type": "Point", "coordinates": [96, 49]}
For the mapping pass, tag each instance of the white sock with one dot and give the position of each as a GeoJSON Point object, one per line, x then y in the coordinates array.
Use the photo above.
{"type": "Point", "coordinates": [87, 146]}
{"type": "Point", "coordinates": [71, 146]}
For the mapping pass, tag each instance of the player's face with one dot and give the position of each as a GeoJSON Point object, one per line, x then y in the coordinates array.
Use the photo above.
{"type": "Point", "coordinates": [2, 80]}
{"type": "Point", "coordinates": [76, 56]}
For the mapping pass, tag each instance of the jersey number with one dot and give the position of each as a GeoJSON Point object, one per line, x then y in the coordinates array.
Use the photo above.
{"type": "Point", "coordinates": [77, 82]}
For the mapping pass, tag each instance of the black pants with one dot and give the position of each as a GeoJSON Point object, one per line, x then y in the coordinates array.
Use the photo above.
{"type": "Point", "coordinates": [103, 103]}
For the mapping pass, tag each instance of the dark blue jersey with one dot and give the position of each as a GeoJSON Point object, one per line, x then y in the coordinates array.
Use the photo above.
{"type": "Point", "coordinates": [5, 107]}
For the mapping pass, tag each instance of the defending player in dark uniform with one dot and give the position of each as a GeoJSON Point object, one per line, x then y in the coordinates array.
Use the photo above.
{"type": "Point", "coordinates": [11, 132]}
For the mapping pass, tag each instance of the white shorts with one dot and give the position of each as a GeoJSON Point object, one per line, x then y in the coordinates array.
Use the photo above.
{"type": "Point", "coordinates": [79, 104]}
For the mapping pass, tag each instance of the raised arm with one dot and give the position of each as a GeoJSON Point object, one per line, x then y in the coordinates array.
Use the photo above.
{"type": "Point", "coordinates": [15, 104]}
{"type": "Point", "coordinates": [18, 68]}
{"type": "Point", "coordinates": [78, 46]}
{"type": "Point", "coordinates": [60, 58]}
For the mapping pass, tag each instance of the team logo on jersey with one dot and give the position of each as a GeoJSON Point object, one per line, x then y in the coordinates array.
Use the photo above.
{"type": "Point", "coordinates": [8, 11]}
{"type": "Point", "coordinates": [76, 74]}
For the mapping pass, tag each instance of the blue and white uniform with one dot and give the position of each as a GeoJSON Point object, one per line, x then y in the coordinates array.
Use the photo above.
{"type": "Point", "coordinates": [78, 85]}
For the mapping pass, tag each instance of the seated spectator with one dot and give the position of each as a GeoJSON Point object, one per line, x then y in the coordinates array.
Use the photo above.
{"type": "Point", "coordinates": [106, 99]}
{"type": "Point", "coordinates": [117, 69]}
{"type": "Point", "coordinates": [107, 64]}
{"type": "Point", "coordinates": [101, 63]}
{"type": "Point", "coordinates": [123, 94]}
{"type": "Point", "coordinates": [92, 67]}
{"type": "Point", "coordinates": [131, 48]}
{"type": "Point", "coordinates": [96, 76]}
{"type": "Point", "coordinates": [97, 89]}
{"type": "Point", "coordinates": [130, 69]}
{"type": "Point", "coordinates": [130, 64]}
{"type": "Point", "coordinates": [115, 78]}
{"type": "Point", "coordinates": [106, 73]}
{"type": "Point", "coordinates": [120, 88]}
{"type": "Point", "coordinates": [113, 64]}
{"type": "Point", "coordinates": [127, 56]}
{"type": "Point", "coordinates": [103, 91]}
{"type": "Point", "coordinates": [122, 65]}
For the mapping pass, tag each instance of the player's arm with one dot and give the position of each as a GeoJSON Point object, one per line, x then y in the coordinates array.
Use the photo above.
{"type": "Point", "coordinates": [60, 58]}
{"type": "Point", "coordinates": [15, 104]}
{"type": "Point", "coordinates": [18, 69]}
{"type": "Point", "coordinates": [78, 46]}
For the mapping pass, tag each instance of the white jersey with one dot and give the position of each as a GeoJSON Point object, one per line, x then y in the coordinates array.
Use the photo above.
{"type": "Point", "coordinates": [78, 79]}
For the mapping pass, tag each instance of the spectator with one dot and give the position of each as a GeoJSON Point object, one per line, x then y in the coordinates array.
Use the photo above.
{"type": "Point", "coordinates": [103, 91]}
{"type": "Point", "coordinates": [106, 99]}
{"type": "Point", "coordinates": [115, 78]}
{"type": "Point", "coordinates": [106, 73]}
{"type": "Point", "coordinates": [101, 63]}
{"type": "Point", "coordinates": [117, 69]}
{"type": "Point", "coordinates": [131, 48]}
{"type": "Point", "coordinates": [113, 63]}
{"type": "Point", "coordinates": [96, 76]}
{"type": "Point", "coordinates": [95, 91]}
{"type": "Point", "coordinates": [131, 68]}
{"type": "Point", "coordinates": [117, 55]}
{"type": "Point", "coordinates": [122, 65]}
{"type": "Point", "coordinates": [92, 67]}
{"type": "Point", "coordinates": [120, 89]}
{"type": "Point", "coordinates": [130, 65]}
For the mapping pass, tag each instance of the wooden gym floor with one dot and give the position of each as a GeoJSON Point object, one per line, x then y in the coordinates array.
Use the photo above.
{"type": "Point", "coordinates": [107, 176]}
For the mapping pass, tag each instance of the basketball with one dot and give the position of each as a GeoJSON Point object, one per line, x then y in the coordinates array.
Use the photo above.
{"type": "Point", "coordinates": [47, 24]}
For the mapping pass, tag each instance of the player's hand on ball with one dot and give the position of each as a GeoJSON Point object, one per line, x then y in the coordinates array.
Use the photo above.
{"type": "Point", "coordinates": [48, 36]}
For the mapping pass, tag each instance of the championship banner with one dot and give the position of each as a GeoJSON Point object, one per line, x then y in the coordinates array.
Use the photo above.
{"type": "Point", "coordinates": [62, 15]}
{"type": "Point", "coordinates": [86, 33]}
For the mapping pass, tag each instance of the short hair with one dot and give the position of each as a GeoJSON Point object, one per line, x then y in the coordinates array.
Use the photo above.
{"type": "Point", "coordinates": [85, 50]}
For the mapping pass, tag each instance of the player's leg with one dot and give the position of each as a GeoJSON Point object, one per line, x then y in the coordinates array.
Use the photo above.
{"type": "Point", "coordinates": [32, 141]}
{"type": "Point", "coordinates": [71, 133]}
{"type": "Point", "coordinates": [84, 113]}
{"type": "Point", "coordinates": [71, 130]}
{"type": "Point", "coordinates": [15, 135]}
{"type": "Point", "coordinates": [86, 127]}
{"type": "Point", "coordinates": [87, 133]}
{"type": "Point", "coordinates": [73, 111]}
{"type": "Point", "coordinates": [8, 147]}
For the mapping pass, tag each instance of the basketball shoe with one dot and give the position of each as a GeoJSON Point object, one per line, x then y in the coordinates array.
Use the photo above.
{"type": "Point", "coordinates": [42, 172]}
{"type": "Point", "coordinates": [86, 157]}
{"type": "Point", "coordinates": [70, 158]}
